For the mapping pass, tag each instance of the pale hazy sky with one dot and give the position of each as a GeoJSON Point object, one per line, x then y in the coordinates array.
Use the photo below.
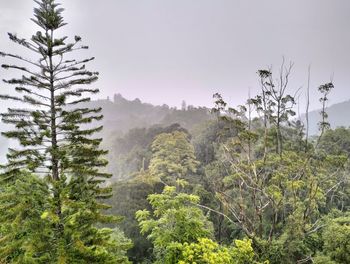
{"type": "Point", "coordinates": [164, 51]}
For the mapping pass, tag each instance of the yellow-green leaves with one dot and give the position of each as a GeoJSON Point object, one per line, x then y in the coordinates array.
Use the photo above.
{"type": "Point", "coordinates": [176, 219]}
{"type": "Point", "coordinates": [173, 157]}
{"type": "Point", "coordinates": [207, 251]}
{"type": "Point", "coordinates": [48, 215]}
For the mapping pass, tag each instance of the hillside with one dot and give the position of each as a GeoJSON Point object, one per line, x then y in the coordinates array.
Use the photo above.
{"type": "Point", "coordinates": [337, 116]}
{"type": "Point", "coordinates": [121, 115]}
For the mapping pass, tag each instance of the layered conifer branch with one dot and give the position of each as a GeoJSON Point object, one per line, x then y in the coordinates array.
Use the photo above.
{"type": "Point", "coordinates": [49, 128]}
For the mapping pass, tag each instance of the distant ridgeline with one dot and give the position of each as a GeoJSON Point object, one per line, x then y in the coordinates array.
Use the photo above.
{"type": "Point", "coordinates": [338, 115]}
{"type": "Point", "coordinates": [121, 115]}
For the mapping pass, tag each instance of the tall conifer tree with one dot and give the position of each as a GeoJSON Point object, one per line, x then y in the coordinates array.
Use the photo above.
{"type": "Point", "coordinates": [56, 140]}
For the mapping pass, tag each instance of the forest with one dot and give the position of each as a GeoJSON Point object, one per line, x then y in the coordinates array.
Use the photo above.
{"type": "Point", "coordinates": [222, 185]}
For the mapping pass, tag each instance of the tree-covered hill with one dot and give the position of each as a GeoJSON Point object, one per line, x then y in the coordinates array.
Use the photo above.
{"type": "Point", "coordinates": [121, 115]}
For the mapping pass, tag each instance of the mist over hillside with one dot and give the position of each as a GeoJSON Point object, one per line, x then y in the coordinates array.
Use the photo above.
{"type": "Point", "coordinates": [121, 115]}
{"type": "Point", "coordinates": [337, 117]}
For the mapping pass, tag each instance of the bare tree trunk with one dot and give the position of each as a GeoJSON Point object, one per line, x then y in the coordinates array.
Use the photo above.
{"type": "Point", "coordinates": [265, 124]}
{"type": "Point", "coordinates": [249, 126]}
{"type": "Point", "coordinates": [307, 110]}
{"type": "Point", "coordinates": [278, 129]}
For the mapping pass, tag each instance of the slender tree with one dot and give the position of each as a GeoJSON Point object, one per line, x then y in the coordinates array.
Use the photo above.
{"type": "Point", "coordinates": [276, 104]}
{"type": "Point", "coordinates": [57, 140]}
{"type": "Point", "coordinates": [307, 109]}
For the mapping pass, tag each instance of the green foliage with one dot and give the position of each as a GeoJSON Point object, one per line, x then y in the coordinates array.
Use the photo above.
{"type": "Point", "coordinates": [323, 260]}
{"type": "Point", "coordinates": [261, 180]}
{"type": "Point", "coordinates": [206, 251]}
{"type": "Point", "coordinates": [124, 244]}
{"type": "Point", "coordinates": [206, 139]}
{"type": "Point", "coordinates": [182, 234]}
{"type": "Point", "coordinates": [336, 142]}
{"type": "Point", "coordinates": [274, 193]}
{"type": "Point", "coordinates": [280, 198]}
{"type": "Point", "coordinates": [132, 152]}
{"type": "Point", "coordinates": [129, 197]}
{"type": "Point", "coordinates": [176, 218]}
{"type": "Point", "coordinates": [55, 143]}
{"type": "Point", "coordinates": [25, 236]}
{"type": "Point", "coordinates": [27, 231]}
{"type": "Point", "coordinates": [336, 239]}
{"type": "Point", "coordinates": [173, 157]}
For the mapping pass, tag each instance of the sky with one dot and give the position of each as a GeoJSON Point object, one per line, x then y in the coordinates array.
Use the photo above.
{"type": "Point", "coordinates": [166, 51]}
